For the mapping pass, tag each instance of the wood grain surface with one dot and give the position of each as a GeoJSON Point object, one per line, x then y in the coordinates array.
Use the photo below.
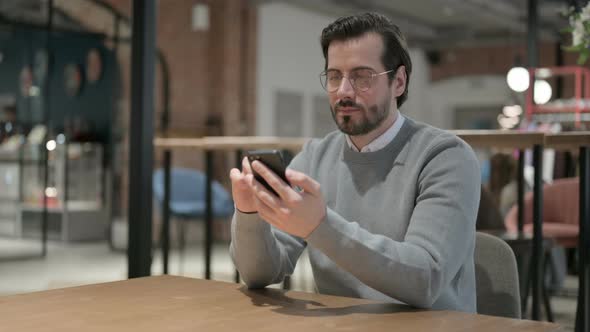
{"type": "Point", "coordinates": [167, 303]}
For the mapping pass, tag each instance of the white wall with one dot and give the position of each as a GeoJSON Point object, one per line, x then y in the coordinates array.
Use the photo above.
{"type": "Point", "coordinates": [418, 105]}
{"type": "Point", "coordinates": [290, 59]}
{"type": "Point", "coordinates": [445, 96]}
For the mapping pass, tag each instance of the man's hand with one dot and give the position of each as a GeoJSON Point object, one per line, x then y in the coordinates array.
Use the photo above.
{"type": "Point", "coordinates": [296, 212]}
{"type": "Point", "coordinates": [241, 187]}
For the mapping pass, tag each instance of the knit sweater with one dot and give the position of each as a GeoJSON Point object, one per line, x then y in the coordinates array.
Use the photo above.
{"type": "Point", "coordinates": [399, 225]}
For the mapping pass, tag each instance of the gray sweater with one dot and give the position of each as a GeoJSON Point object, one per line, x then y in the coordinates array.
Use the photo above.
{"type": "Point", "coordinates": [400, 222]}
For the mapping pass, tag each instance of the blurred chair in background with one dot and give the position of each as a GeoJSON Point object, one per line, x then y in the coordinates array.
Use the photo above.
{"type": "Point", "coordinates": [187, 198]}
{"type": "Point", "coordinates": [496, 277]}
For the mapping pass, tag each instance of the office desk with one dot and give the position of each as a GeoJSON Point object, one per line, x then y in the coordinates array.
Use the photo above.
{"type": "Point", "coordinates": [167, 303]}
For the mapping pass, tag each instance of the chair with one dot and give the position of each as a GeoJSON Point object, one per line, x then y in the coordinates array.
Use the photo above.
{"type": "Point", "coordinates": [560, 212]}
{"type": "Point", "coordinates": [496, 277]}
{"type": "Point", "coordinates": [187, 197]}
{"type": "Point", "coordinates": [560, 225]}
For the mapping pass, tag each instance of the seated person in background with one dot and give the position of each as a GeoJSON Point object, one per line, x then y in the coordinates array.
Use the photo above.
{"type": "Point", "coordinates": [503, 186]}
{"type": "Point", "coordinates": [7, 122]}
{"type": "Point", "coordinates": [387, 205]}
{"type": "Point", "coordinates": [488, 214]}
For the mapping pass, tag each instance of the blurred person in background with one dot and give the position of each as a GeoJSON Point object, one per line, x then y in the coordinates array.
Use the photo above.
{"type": "Point", "coordinates": [8, 124]}
{"type": "Point", "coordinates": [503, 185]}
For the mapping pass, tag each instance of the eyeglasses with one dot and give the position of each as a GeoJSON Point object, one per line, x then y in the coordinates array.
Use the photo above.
{"type": "Point", "coordinates": [361, 79]}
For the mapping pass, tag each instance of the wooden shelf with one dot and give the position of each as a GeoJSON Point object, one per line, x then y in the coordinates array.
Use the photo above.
{"type": "Point", "coordinates": [232, 143]}
{"type": "Point", "coordinates": [500, 138]}
{"type": "Point", "coordinates": [567, 140]}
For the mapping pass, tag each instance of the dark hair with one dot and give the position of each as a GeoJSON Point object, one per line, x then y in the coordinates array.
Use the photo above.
{"type": "Point", "coordinates": [502, 171]}
{"type": "Point", "coordinates": [10, 108]}
{"type": "Point", "coordinates": [395, 51]}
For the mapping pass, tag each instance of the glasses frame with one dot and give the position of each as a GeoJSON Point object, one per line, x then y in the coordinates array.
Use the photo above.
{"type": "Point", "coordinates": [351, 81]}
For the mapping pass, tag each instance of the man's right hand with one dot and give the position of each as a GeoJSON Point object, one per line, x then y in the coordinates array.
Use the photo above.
{"type": "Point", "coordinates": [244, 198]}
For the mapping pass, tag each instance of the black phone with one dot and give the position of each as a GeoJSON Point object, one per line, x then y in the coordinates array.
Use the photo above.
{"type": "Point", "coordinates": [273, 159]}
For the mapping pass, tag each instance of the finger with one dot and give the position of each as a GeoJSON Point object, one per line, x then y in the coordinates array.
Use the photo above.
{"type": "Point", "coordinates": [267, 213]}
{"type": "Point", "coordinates": [269, 199]}
{"type": "Point", "coordinates": [308, 184]}
{"type": "Point", "coordinates": [249, 178]}
{"type": "Point", "coordinates": [238, 180]}
{"type": "Point", "coordinates": [246, 168]}
{"type": "Point", "coordinates": [283, 189]}
{"type": "Point", "coordinates": [265, 195]}
{"type": "Point", "coordinates": [277, 205]}
{"type": "Point", "coordinates": [235, 175]}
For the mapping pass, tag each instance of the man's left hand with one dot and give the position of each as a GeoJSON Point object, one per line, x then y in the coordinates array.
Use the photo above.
{"type": "Point", "coordinates": [296, 212]}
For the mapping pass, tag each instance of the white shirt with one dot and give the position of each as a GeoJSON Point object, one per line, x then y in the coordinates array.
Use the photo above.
{"type": "Point", "coordinates": [381, 141]}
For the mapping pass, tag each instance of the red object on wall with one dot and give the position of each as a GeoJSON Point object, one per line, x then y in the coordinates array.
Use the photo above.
{"type": "Point", "coordinates": [581, 96]}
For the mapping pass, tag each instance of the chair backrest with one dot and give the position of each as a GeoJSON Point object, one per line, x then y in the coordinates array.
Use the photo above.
{"type": "Point", "coordinates": [188, 186]}
{"type": "Point", "coordinates": [560, 204]}
{"type": "Point", "coordinates": [496, 277]}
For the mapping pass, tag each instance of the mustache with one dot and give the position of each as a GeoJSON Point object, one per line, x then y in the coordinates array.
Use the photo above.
{"type": "Point", "coordinates": [347, 103]}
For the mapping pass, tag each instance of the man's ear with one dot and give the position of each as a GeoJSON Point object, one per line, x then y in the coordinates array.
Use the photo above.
{"type": "Point", "coordinates": [399, 81]}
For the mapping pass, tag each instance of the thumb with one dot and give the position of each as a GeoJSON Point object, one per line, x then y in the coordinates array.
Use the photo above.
{"type": "Point", "coordinates": [308, 184]}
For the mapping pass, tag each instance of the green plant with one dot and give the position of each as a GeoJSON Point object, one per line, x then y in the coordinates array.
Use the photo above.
{"type": "Point", "coordinates": [579, 27]}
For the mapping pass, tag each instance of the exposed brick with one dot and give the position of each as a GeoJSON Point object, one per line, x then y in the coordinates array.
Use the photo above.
{"type": "Point", "coordinates": [212, 73]}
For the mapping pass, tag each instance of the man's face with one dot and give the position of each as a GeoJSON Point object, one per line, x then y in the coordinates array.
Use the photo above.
{"type": "Point", "coordinates": [359, 112]}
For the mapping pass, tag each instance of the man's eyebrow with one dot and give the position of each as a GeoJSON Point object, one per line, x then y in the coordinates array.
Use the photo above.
{"type": "Point", "coordinates": [355, 68]}
{"type": "Point", "coordinates": [363, 67]}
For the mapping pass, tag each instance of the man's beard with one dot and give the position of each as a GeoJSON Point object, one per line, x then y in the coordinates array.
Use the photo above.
{"type": "Point", "coordinates": [369, 119]}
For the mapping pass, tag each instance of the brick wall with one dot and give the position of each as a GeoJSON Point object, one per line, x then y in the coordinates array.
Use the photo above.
{"type": "Point", "coordinates": [495, 60]}
{"type": "Point", "coordinates": [212, 73]}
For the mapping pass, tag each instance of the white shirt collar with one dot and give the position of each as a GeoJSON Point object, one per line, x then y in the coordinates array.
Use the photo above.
{"type": "Point", "coordinates": [381, 141]}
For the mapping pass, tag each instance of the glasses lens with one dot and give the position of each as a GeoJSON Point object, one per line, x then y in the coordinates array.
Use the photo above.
{"type": "Point", "coordinates": [362, 79]}
{"type": "Point", "coordinates": [331, 80]}
{"type": "Point", "coordinates": [323, 81]}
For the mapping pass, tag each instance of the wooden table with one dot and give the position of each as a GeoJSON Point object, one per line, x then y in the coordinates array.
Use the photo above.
{"type": "Point", "coordinates": [232, 143]}
{"type": "Point", "coordinates": [208, 145]}
{"type": "Point", "coordinates": [168, 303]}
{"type": "Point", "coordinates": [507, 139]}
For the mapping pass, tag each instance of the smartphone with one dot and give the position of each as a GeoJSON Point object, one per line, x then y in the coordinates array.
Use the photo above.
{"type": "Point", "coordinates": [273, 159]}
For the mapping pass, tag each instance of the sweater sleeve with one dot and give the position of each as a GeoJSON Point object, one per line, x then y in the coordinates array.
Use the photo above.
{"type": "Point", "coordinates": [440, 235]}
{"type": "Point", "coordinates": [263, 254]}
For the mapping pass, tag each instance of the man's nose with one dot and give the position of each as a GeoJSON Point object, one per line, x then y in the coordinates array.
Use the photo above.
{"type": "Point", "coordinates": [345, 89]}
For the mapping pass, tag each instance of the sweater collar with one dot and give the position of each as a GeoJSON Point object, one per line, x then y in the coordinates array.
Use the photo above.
{"type": "Point", "coordinates": [394, 149]}
{"type": "Point", "coordinates": [381, 141]}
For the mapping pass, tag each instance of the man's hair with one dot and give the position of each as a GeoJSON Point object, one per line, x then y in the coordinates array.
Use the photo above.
{"type": "Point", "coordinates": [395, 51]}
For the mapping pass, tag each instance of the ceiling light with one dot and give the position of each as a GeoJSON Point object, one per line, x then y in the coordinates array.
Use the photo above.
{"type": "Point", "coordinates": [543, 92]}
{"type": "Point", "coordinates": [51, 145]}
{"type": "Point", "coordinates": [512, 110]}
{"type": "Point", "coordinates": [518, 79]}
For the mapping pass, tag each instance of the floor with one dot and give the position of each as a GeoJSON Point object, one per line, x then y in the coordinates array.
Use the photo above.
{"type": "Point", "coordinates": [86, 263]}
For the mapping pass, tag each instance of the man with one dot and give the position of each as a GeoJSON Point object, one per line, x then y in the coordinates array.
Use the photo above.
{"type": "Point", "coordinates": [386, 206]}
